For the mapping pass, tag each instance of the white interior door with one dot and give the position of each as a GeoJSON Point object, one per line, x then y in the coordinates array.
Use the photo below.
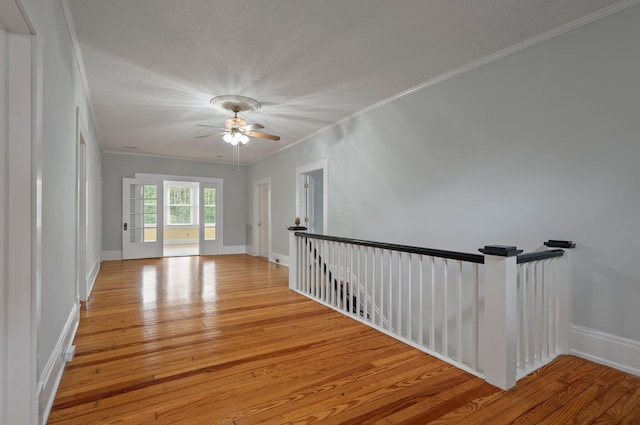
{"type": "Point", "coordinates": [142, 218]}
{"type": "Point", "coordinates": [210, 219]}
{"type": "Point", "coordinates": [263, 224]}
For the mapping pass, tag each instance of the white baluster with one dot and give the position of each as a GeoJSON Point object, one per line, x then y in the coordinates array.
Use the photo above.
{"type": "Point", "coordinates": [474, 313]}
{"type": "Point", "coordinates": [445, 309]}
{"type": "Point", "coordinates": [459, 312]}
{"type": "Point", "coordinates": [432, 299]}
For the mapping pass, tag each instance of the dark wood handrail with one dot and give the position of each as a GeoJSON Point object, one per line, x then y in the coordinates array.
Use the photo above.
{"type": "Point", "coordinates": [540, 255]}
{"type": "Point", "coordinates": [453, 255]}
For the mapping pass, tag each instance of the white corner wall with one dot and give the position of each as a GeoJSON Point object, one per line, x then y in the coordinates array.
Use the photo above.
{"type": "Point", "coordinates": [60, 92]}
{"type": "Point", "coordinates": [541, 144]}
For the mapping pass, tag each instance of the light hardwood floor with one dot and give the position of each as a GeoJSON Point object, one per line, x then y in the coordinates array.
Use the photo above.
{"type": "Point", "coordinates": [222, 340]}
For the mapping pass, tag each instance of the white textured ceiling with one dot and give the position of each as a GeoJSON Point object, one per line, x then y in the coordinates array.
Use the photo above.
{"type": "Point", "coordinates": [153, 65]}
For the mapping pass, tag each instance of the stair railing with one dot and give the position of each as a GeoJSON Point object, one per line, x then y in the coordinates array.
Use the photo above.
{"type": "Point", "coordinates": [498, 316]}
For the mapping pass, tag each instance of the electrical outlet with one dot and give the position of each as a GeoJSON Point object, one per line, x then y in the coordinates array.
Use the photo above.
{"type": "Point", "coordinates": [68, 353]}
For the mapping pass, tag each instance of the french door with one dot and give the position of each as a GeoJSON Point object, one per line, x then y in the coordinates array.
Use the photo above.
{"type": "Point", "coordinates": [142, 216]}
{"type": "Point", "coordinates": [210, 234]}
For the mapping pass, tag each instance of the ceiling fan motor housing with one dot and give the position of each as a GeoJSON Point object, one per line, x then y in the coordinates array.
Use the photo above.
{"type": "Point", "coordinates": [235, 122]}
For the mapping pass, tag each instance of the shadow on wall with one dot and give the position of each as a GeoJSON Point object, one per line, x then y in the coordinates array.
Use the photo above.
{"type": "Point", "coordinates": [339, 132]}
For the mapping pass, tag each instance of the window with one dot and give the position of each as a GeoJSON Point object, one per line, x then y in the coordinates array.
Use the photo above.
{"type": "Point", "coordinates": [150, 206]}
{"type": "Point", "coordinates": [209, 207]}
{"type": "Point", "coordinates": [181, 203]}
{"type": "Point", "coordinates": [209, 213]}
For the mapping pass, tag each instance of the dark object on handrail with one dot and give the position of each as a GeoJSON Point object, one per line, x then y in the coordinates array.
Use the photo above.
{"type": "Point", "coordinates": [453, 255]}
{"type": "Point", "coordinates": [540, 255]}
{"type": "Point", "coordinates": [296, 228]}
{"type": "Point", "coordinates": [500, 250]}
{"type": "Point", "coordinates": [552, 243]}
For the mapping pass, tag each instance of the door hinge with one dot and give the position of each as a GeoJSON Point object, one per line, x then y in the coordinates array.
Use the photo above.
{"type": "Point", "coordinates": [306, 185]}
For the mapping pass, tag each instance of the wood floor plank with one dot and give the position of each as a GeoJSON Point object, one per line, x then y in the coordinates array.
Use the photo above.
{"type": "Point", "coordinates": [624, 411]}
{"type": "Point", "coordinates": [222, 340]}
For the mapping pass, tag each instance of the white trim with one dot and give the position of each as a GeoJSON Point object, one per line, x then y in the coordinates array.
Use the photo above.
{"type": "Point", "coordinates": [49, 380]}
{"type": "Point", "coordinates": [283, 260]}
{"type": "Point", "coordinates": [82, 291]}
{"type": "Point", "coordinates": [92, 276]}
{"type": "Point", "coordinates": [599, 14]}
{"type": "Point", "coordinates": [112, 255]}
{"type": "Point", "coordinates": [185, 158]}
{"type": "Point", "coordinates": [179, 178]}
{"type": "Point", "coordinates": [233, 249]}
{"type": "Point", "coordinates": [610, 350]}
{"type": "Point", "coordinates": [66, 10]}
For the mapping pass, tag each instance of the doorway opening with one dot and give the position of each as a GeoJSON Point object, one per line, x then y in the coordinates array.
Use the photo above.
{"type": "Point", "coordinates": [181, 218]}
{"type": "Point", "coordinates": [311, 196]}
{"type": "Point", "coordinates": [262, 218]}
{"type": "Point", "coordinates": [171, 216]}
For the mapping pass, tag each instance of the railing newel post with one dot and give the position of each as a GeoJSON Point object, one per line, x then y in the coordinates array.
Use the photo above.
{"type": "Point", "coordinates": [500, 336]}
{"type": "Point", "coordinates": [293, 256]}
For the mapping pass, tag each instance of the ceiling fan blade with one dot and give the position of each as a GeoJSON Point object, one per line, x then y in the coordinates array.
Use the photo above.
{"type": "Point", "coordinates": [212, 134]}
{"type": "Point", "coordinates": [263, 135]}
{"type": "Point", "coordinates": [251, 127]}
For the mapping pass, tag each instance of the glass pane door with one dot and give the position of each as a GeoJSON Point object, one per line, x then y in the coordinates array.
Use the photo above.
{"type": "Point", "coordinates": [209, 222]}
{"type": "Point", "coordinates": [142, 219]}
{"type": "Point", "coordinates": [209, 213]}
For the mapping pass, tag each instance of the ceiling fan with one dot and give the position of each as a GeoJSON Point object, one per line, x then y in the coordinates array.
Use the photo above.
{"type": "Point", "coordinates": [237, 130]}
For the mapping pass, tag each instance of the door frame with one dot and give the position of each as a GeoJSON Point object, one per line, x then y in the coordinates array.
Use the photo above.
{"type": "Point", "coordinates": [301, 173]}
{"type": "Point", "coordinates": [82, 290]}
{"type": "Point", "coordinates": [255, 231]}
{"type": "Point", "coordinates": [219, 202]}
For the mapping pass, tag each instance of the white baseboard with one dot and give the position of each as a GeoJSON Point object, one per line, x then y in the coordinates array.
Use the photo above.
{"type": "Point", "coordinates": [279, 259]}
{"type": "Point", "coordinates": [51, 375]}
{"type": "Point", "coordinates": [233, 249]}
{"type": "Point", "coordinates": [93, 274]}
{"type": "Point", "coordinates": [609, 350]}
{"type": "Point", "coordinates": [111, 255]}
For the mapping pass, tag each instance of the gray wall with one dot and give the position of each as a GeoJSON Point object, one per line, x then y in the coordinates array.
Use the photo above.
{"type": "Point", "coordinates": [541, 144]}
{"type": "Point", "coordinates": [117, 166]}
{"type": "Point", "coordinates": [62, 92]}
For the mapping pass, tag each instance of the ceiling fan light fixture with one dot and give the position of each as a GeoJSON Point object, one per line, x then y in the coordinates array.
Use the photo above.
{"type": "Point", "coordinates": [235, 138]}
